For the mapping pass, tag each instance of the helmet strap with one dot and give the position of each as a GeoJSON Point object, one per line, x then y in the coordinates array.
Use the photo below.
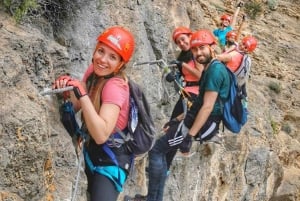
{"type": "Point", "coordinates": [119, 68]}
{"type": "Point", "coordinates": [212, 51]}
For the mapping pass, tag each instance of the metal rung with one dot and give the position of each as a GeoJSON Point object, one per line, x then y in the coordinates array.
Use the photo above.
{"type": "Point", "coordinates": [55, 91]}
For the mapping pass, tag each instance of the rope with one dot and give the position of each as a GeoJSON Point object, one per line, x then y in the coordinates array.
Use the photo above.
{"type": "Point", "coordinates": [78, 174]}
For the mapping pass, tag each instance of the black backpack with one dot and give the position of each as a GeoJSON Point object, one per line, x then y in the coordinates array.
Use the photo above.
{"type": "Point", "coordinates": [141, 130]}
{"type": "Point", "coordinates": [139, 136]}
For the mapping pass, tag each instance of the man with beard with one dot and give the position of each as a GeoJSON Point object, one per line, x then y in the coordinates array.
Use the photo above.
{"type": "Point", "coordinates": [231, 41]}
{"type": "Point", "coordinates": [202, 119]}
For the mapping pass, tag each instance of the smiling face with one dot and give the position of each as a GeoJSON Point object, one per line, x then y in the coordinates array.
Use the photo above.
{"type": "Point", "coordinates": [106, 60]}
{"type": "Point", "coordinates": [183, 42]}
{"type": "Point", "coordinates": [242, 47]}
{"type": "Point", "coordinates": [202, 54]}
{"type": "Point", "coordinates": [225, 22]}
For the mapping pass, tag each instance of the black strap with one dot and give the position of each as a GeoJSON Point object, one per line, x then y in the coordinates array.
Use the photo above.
{"type": "Point", "coordinates": [191, 83]}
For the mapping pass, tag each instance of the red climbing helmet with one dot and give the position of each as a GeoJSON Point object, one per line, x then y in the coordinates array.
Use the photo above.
{"type": "Point", "coordinates": [180, 30]}
{"type": "Point", "coordinates": [231, 34]}
{"type": "Point", "coordinates": [202, 37]}
{"type": "Point", "coordinates": [250, 43]}
{"type": "Point", "coordinates": [120, 40]}
{"type": "Point", "coordinates": [226, 17]}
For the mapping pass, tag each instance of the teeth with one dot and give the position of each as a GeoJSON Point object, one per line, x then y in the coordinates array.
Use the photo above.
{"type": "Point", "coordinates": [100, 66]}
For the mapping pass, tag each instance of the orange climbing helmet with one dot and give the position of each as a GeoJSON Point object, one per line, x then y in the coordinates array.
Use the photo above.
{"type": "Point", "coordinates": [202, 37]}
{"type": "Point", "coordinates": [180, 30]}
{"type": "Point", "coordinates": [120, 40]}
{"type": "Point", "coordinates": [226, 17]}
{"type": "Point", "coordinates": [231, 34]}
{"type": "Point", "coordinates": [250, 43]}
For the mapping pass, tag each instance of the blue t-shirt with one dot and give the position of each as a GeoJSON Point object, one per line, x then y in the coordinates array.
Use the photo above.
{"type": "Point", "coordinates": [215, 78]}
{"type": "Point", "coordinates": [221, 34]}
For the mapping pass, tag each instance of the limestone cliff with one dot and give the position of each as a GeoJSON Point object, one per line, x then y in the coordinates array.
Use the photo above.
{"type": "Point", "coordinates": [37, 157]}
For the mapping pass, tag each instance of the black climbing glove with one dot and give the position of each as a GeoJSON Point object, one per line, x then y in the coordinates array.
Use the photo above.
{"type": "Point", "coordinates": [170, 77]}
{"type": "Point", "coordinates": [240, 4]}
{"type": "Point", "coordinates": [178, 63]}
{"type": "Point", "coordinates": [186, 144]}
{"type": "Point", "coordinates": [78, 89]}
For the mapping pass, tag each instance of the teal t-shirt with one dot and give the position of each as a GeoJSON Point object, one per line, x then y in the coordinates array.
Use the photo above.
{"type": "Point", "coordinates": [221, 34]}
{"type": "Point", "coordinates": [215, 78]}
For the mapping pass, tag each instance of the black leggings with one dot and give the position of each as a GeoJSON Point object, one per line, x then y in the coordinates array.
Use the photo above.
{"type": "Point", "coordinates": [178, 109]}
{"type": "Point", "coordinates": [100, 187]}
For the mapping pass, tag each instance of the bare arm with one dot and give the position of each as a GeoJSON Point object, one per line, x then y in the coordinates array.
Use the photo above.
{"type": "Point", "coordinates": [226, 57]}
{"type": "Point", "coordinates": [241, 27]}
{"type": "Point", "coordinates": [210, 98]}
{"type": "Point", "coordinates": [235, 15]}
{"type": "Point", "coordinates": [100, 125]}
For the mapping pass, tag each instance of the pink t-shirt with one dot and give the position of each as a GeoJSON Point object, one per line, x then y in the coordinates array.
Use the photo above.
{"type": "Point", "coordinates": [115, 91]}
{"type": "Point", "coordinates": [235, 61]}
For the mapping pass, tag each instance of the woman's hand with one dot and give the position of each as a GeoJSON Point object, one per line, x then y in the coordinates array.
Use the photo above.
{"type": "Point", "coordinates": [78, 89]}
{"type": "Point", "coordinates": [61, 82]}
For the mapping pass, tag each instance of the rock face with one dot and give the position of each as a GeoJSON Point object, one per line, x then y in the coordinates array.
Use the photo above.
{"type": "Point", "coordinates": [37, 157]}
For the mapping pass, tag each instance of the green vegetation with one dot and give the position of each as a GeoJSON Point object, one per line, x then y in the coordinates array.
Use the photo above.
{"type": "Point", "coordinates": [275, 127]}
{"type": "Point", "coordinates": [272, 4]}
{"type": "Point", "coordinates": [19, 8]}
{"type": "Point", "coordinates": [286, 128]}
{"type": "Point", "coordinates": [253, 8]}
{"type": "Point", "coordinates": [55, 11]}
{"type": "Point", "coordinates": [276, 87]}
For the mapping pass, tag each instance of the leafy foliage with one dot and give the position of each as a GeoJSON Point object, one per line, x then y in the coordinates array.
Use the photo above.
{"type": "Point", "coordinates": [19, 8]}
{"type": "Point", "coordinates": [53, 10]}
{"type": "Point", "coordinates": [253, 8]}
{"type": "Point", "coordinates": [276, 87]}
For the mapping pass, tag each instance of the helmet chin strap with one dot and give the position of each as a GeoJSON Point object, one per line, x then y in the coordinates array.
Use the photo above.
{"type": "Point", "coordinates": [118, 69]}
{"type": "Point", "coordinates": [212, 52]}
{"type": "Point", "coordinates": [213, 56]}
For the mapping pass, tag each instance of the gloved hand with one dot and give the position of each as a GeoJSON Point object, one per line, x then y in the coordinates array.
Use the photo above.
{"type": "Point", "coordinates": [78, 89]}
{"type": "Point", "coordinates": [178, 63]}
{"type": "Point", "coordinates": [186, 144]}
{"type": "Point", "coordinates": [61, 83]}
{"type": "Point", "coordinates": [170, 77]}
{"type": "Point", "coordinates": [240, 4]}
